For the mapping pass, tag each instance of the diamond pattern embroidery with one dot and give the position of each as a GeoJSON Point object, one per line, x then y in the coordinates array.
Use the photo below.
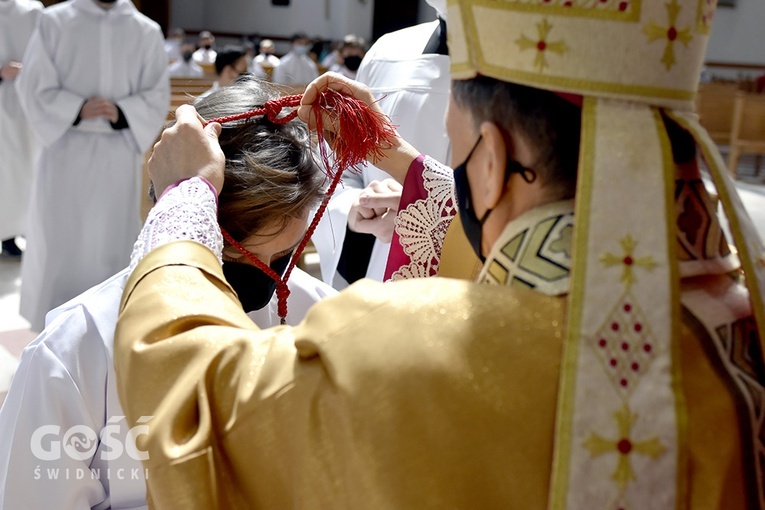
{"type": "Point", "coordinates": [625, 346]}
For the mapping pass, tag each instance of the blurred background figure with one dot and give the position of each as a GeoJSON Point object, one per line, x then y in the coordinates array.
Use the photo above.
{"type": "Point", "coordinates": [17, 22]}
{"type": "Point", "coordinates": [296, 67]}
{"type": "Point", "coordinates": [185, 67]}
{"type": "Point", "coordinates": [173, 44]}
{"type": "Point", "coordinates": [206, 52]}
{"type": "Point", "coordinates": [350, 56]}
{"type": "Point", "coordinates": [249, 58]}
{"type": "Point", "coordinates": [230, 64]}
{"type": "Point", "coordinates": [96, 91]}
{"type": "Point", "coordinates": [266, 58]}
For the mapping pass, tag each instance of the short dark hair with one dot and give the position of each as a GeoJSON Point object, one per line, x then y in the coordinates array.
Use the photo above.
{"type": "Point", "coordinates": [551, 124]}
{"type": "Point", "coordinates": [299, 35]}
{"type": "Point", "coordinates": [271, 174]}
{"type": "Point", "coordinates": [227, 57]}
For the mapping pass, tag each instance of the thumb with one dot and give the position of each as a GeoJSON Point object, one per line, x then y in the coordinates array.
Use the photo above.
{"type": "Point", "coordinates": [213, 130]}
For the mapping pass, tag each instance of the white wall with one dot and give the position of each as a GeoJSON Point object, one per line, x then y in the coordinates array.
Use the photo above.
{"type": "Point", "coordinates": [738, 33]}
{"type": "Point", "coordinates": [329, 19]}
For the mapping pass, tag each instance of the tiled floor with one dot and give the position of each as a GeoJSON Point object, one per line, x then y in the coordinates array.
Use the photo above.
{"type": "Point", "coordinates": [15, 333]}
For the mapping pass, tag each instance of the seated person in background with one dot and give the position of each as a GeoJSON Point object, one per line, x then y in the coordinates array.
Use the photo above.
{"type": "Point", "coordinates": [185, 67]}
{"type": "Point", "coordinates": [66, 377]}
{"type": "Point", "coordinates": [249, 57]}
{"type": "Point", "coordinates": [174, 43]}
{"type": "Point", "coordinates": [266, 58]}
{"type": "Point", "coordinates": [230, 64]}
{"type": "Point", "coordinates": [296, 67]}
{"type": "Point", "coordinates": [349, 59]}
{"type": "Point", "coordinates": [205, 54]}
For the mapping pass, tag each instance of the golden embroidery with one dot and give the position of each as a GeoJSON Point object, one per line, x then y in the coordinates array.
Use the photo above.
{"type": "Point", "coordinates": [670, 33]}
{"type": "Point", "coordinates": [628, 260]}
{"type": "Point", "coordinates": [624, 446]}
{"type": "Point", "coordinates": [542, 45]}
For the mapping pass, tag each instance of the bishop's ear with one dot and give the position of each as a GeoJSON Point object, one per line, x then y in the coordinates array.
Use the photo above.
{"type": "Point", "coordinates": [498, 149]}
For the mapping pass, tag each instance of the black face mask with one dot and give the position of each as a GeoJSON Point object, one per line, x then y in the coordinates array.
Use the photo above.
{"type": "Point", "coordinates": [187, 55]}
{"type": "Point", "coordinates": [208, 46]}
{"type": "Point", "coordinates": [254, 287]}
{"type": "Point", "coordinates": [352, 63]}
{"type": "Point", "coordinates": [473, 226]}
{"type": "Point", "coordinates": [107, 1]}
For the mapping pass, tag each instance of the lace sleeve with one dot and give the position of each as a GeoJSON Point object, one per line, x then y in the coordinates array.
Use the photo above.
{"type": "Point", "coordinates": [188, 211]}
{"type": "Point", "coordinates": [427, 208]}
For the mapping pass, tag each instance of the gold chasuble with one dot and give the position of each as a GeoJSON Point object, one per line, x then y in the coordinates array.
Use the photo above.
{"type": "Point", "coordinates": [430, 393]}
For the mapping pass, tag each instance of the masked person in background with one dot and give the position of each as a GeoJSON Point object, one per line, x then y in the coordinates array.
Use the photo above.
{"type": "Point", "coordinates": [609, 356]}
{"type": "Point", "coordinates": [296, 67]}
{"type": "Point", "coordinates": [185, 66]}
{"type": "Point", "coordinates": [350, 55]}
{"type": "Point", "coordinates": [66, 377]}
{"type": "Point", "coordinates": [205, 52]}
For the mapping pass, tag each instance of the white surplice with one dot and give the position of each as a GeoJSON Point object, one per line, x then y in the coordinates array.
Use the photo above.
{"type": "Point", "coordinates": [17, 22]}
{"type": "Point", "coordinates": [66, 379]}
{"type": "Point", "coordinates": [413, 89]}
{"type": "Point", "coordinates": [84, 209]}
{"type": "Point", "coordinates": [295, 69]}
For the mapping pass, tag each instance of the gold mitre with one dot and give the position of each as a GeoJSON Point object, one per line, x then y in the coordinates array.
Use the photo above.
{"type": "Point", "coordinates": [644, 50]}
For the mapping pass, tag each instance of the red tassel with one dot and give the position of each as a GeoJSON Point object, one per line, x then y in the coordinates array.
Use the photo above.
{"type": "Point", "coordinates": [361, 132]}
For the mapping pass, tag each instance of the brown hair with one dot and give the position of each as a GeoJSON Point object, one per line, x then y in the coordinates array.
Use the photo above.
{"type": "Point", "coordinates": [271, 174]}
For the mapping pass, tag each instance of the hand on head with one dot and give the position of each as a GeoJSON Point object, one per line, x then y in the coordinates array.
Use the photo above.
{"type": "Point", "coordinates": [187, 149]}
{"type": "Point", "coordinates": [374, 211]}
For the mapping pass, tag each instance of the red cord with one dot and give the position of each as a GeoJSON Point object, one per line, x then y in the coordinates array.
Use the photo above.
{"type": "Point", "coordinates": [361, 132]}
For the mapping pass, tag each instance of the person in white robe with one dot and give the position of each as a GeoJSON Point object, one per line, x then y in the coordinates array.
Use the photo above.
{"type": "Point", "coordinates": [266, 58]}
{"type": "Point", "coordinates": [174, 44]}
{"type": "Point", "coordinates": [66, 382]}
{"type": "Point", "coordinates": [409, 71]}
{"type": "Point", "coordinates": [205, 54]}
{"type": "Point", "coordinates": [185, 67]}
{"type": "Point", "coordinates": [96, 91]}
{"type": "Point", "coordinates": [296, 67]}
{"type": "Point", "coordinates": [17, 22]}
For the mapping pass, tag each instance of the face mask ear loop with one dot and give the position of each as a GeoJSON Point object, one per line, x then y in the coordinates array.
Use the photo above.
{"type": "Point", "coordinates": [527, 174]}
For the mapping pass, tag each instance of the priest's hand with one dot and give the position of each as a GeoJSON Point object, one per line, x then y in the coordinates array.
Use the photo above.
{"type": "Point", "coordinates": [10, 70]}
{"type": "Point", "coordinates": [187, 149]}
{"type": "Point", "coordinates": [396, 157]}
{"type": "Point", "coordinates": [374, 211]}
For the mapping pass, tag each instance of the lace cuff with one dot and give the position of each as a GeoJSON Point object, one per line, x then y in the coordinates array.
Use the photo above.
{"type": "Point", "coordinates": [427, 208]}
{"type": "Point", "coordinates": [186, 212]}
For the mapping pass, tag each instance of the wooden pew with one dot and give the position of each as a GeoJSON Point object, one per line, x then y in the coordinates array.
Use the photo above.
{"type": "Point", "coordinates": [747, 129]}
{"type": "Point", "coordinates": [714, 104]}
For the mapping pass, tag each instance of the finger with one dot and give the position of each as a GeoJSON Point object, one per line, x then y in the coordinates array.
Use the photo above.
{"type": "Point", "coordinates": [213, 130]}
{"type": "Point", "coordinates": [393, 185]}
{"type": "Point", "coordinates": [187, 114]}
{"type": "Point", "coordinates": [378, 201]}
